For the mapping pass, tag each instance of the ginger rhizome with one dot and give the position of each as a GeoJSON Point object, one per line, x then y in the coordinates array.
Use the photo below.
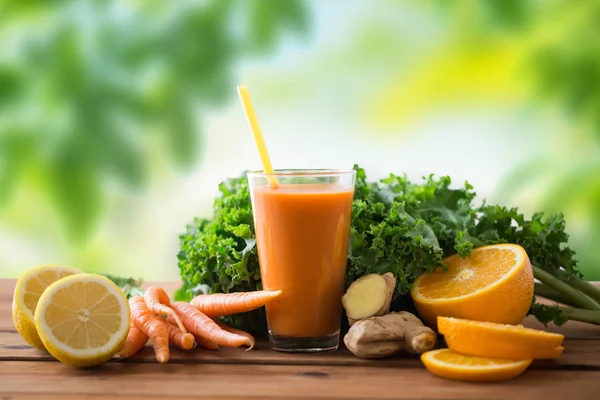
{"type": "Point", "coordinates": [369, 295]}
{"type": "Point", "coordinates": [386, 335]}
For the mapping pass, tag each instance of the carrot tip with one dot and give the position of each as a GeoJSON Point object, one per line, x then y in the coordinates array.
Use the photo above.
{"type": "Point", "coordinates": [162, 359]}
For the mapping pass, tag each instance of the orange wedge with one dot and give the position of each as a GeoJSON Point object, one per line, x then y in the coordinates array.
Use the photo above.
{"type": "Point", "coordinates": [452, 365]}
{"type": "Point", "coordinates": [485, 339]}
{"type": "Point", "coordinates": [495, 284]}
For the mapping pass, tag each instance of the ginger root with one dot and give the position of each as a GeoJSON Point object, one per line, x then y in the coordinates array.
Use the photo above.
{"type": "Point", "coordinates": [386, 335]}
{"type": "Point", "coordinates": [370, 295]}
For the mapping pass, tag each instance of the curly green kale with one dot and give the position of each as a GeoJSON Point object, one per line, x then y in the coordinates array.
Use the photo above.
{"type": "Point", "coordinates": [219, 254]}
{"type": "Point", "coordinates": [387, 235]}
{"type": "Point", "coordinates": [130, 286]}
{"type": "Point", "coordinates": [399, 227]}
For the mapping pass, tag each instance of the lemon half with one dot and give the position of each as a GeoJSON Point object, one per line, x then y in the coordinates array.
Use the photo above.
{"type": "Point", "coordinates": [83, 319]}
{"type": "Point", "coordinates": [30, 287]}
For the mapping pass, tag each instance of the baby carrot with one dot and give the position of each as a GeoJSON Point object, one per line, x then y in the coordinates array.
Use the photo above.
{"type": "Point", "coordinates": [155, 327]}
{"type": "Point", "coordinates": [159, 303]}
{"type": "Point", "coordinates": [201, 325]}
{"type": "Point", "coordinates": [136, 339]}
{"type": "Point", "coordinates": [219, 304]}
{"type": "Point", "coordinates": [238, 332]}
{"type": "Point", "coordinates": [183, 340]}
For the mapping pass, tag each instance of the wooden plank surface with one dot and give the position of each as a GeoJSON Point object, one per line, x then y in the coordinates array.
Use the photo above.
{"type": "Point", "coordinates": [262, 373]}
{"type": "Point", "coordinates": [212, 381]}
{"type": "Point", "coordinates": [583, 354]}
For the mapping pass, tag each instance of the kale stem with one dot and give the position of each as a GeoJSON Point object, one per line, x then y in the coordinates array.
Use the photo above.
{"type": "Point", "coordinates": [581, 285]}
{"type": "Point", "coordinates": [587, 316]}
{"type": "Point", "coordinates": [576, 297]}
{"type": "Point", "coordinates": [549, 293]}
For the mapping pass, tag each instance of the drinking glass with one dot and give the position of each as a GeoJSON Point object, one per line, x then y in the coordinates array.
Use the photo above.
{"type": "Point", "coordinates": [302, 226]}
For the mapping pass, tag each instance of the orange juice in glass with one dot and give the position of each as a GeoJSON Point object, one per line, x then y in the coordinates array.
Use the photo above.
{"type": "Point", "coordinates": [302, 227]}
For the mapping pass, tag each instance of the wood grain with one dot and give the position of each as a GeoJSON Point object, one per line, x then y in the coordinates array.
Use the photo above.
{"type": "Point", "coordinates": [96, 396]}
{"type": "Point", "coordinates": [580, 354]}
{"type": "Point", "coordinates": [7, 287]}
{"type": "Point", "coordinates": [233, 373]}
{"type": "Point", "coordinates": [14, 348]}
{"type": "Point", "coordinates": [240, 381]}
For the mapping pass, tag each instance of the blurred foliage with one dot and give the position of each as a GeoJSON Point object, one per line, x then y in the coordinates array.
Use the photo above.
{"type": "Point", "coordinates": [559, 55]}
{"type": "Point", "coordinates": [559, 42]}
{"type": "Point", "coordinates": [539, 57]}
{"type": "Point", "coordinates": [95, 93]}
{"type": "Point", "coordinates": [567, 63]}
{"type": "Point", "coordinates": [101, 94]}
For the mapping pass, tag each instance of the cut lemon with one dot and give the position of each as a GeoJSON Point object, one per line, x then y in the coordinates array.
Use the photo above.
{"type": "Point", "coordinates": [83, 319]}
{"type": "Point", "coordinates": [487, 339]}
{"type": "Point", "coordinates": [494, 284]}
{"type": "Point", "coordinates": [28, 290]}
{"type": "Point", "coordinates": [452, 365]}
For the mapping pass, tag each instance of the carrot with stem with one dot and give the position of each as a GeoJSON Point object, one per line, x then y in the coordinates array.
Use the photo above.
{"type": "Point", "coordinates": [220, 304]}
{"type": "Point", "coordinates": [159, 303]}
{"type": "Point", "coordinates": [155, 327]}
{"type": "Point", "coordinates": [135, 340]}
{"type": "Point", "coordinates": [183, 340]}
{"type": "Point", "coordinates": [201, 325]}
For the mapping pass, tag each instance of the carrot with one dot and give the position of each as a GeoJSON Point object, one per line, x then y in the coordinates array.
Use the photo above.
{"type": "Point", "coordinates": [135, 340]}
{"type": "Point", "coordinates": [155, 327]}
{"type": "Point", "coordinates": [219, 304]}
{"type": "Point", "coordinates": [159, 303]}
{"type": "Point", "coordinates": [228, 328]}
{"type": "Point", "coordinates": [201, 325]}
{"type": "Point", "coordinates": [207, 344]}
{"type": "Point", "coordinates": [183, 340]}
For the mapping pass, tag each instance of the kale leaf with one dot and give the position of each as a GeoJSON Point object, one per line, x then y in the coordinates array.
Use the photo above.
{"type": "Point", "coordinates": [397, 226]}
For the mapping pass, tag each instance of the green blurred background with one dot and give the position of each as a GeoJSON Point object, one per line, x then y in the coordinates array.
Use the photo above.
{"type": "Point", "coordinates": [119, 118]}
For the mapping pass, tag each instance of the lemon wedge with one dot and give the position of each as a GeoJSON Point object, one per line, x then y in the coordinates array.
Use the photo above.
{"type": "Point", "coordinates": [83, 319]}
{"type": "Point", "coordinates": [30, 287]}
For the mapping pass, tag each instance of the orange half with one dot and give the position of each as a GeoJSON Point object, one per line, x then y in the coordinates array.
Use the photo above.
{"type": "Point", "coordinates": [495, 283]}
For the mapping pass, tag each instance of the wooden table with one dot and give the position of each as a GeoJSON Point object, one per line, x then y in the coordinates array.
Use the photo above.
{"type": "Point", "coordinates": [232, 373]}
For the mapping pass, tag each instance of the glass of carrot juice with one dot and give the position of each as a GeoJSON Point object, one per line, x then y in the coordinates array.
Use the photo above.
{"type": "Point", "coordinates": [302, 226]}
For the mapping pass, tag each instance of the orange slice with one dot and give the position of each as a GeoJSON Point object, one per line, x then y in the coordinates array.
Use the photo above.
{"type": "Point", "coordinates": [487, 339]}
{"type": "Point", "coordinates": [494, 284]}
{"type": "Point", "coordinates": [452, 365]}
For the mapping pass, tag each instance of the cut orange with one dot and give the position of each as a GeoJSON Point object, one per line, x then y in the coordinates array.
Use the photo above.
{"type": "Point", "coordinates": [487, 339]}
{"type": "Point", "coordinates": [452, 365]}
{"type": "Point", "coordinates": [495, 284]}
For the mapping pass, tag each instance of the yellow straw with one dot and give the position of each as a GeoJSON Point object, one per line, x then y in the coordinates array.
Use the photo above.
{"type": "Point", "coordinates": [258, 138]}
